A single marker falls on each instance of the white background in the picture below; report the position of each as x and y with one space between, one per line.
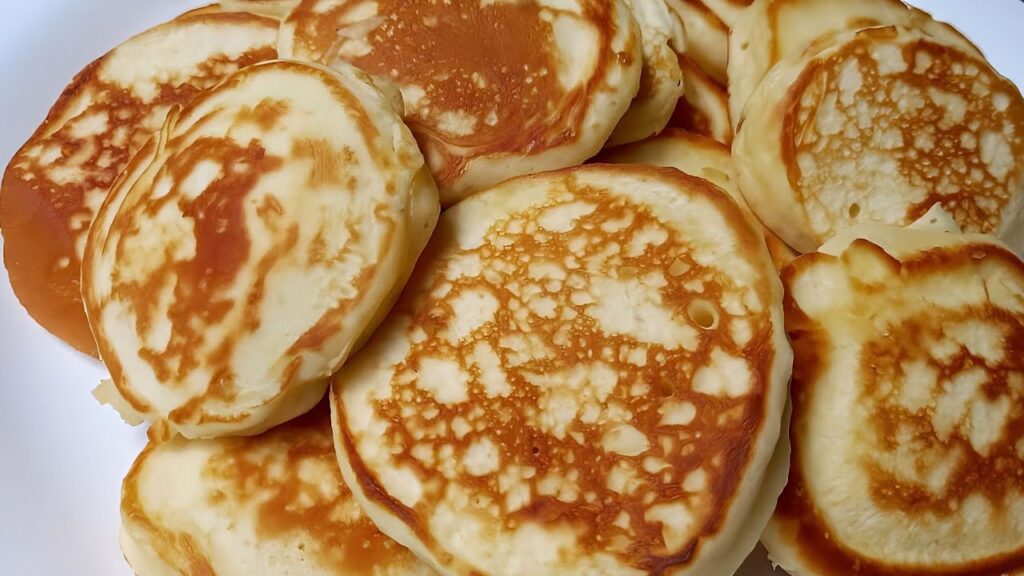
62 456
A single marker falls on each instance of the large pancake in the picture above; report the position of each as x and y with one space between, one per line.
908 408
252 245
880 125
704 107
58 179
585 375
707 37
492 89
272 505
772 30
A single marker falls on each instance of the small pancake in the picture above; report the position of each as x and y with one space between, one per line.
272 504
661 81
58 179
272 8
252 245
585 375
908 407
492 89
773 30
707 38
698 156
880 125
704 107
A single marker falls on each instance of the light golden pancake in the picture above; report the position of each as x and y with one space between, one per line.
879 125
661 81
58 179
585 375
272 504
773 30
698 156
707 38
250 247
908 407
272 8
704 107
492 89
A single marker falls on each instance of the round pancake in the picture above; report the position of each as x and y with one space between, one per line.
704 107
252 245
698 156
271 504
880 125
585 375
492 89
661 81
908 407
57 180
707 38
773 30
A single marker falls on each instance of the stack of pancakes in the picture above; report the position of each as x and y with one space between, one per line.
489 287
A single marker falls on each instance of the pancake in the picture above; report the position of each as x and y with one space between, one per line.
55 183
704 107
252 245
698 156
728 11
707 37
661 81
908 407
880 125
492 89
773 30
585 375
271 504
272 8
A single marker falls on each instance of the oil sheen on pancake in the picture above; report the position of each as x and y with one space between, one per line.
879 126
58 179
585 375
271 505
251 246
492 89
908 408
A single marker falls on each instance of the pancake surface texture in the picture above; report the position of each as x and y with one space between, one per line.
248 249
879 126
908 399
492 89
58 179
272 504
585 375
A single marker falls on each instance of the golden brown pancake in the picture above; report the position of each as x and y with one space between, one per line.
57 180
879 125
707 38
492 89
251 246
704 107
908 408
272 504
586 375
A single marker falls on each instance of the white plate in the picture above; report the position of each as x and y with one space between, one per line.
62 456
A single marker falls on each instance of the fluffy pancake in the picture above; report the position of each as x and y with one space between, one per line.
704 107
585 375
270 504
698 156
908 407
661 81
707 38
772 30
58 179
250 247
880 125
492 89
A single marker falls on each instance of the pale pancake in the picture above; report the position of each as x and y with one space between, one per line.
661 81
773 30
58 179
698 156
707 38
908 395
704 107
586 375
272 8
272 505
880 125
249 248
492 89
